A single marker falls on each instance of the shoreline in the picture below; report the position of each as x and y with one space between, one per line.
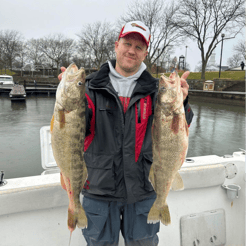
217 100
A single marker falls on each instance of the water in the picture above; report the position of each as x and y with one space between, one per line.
216 129
20 124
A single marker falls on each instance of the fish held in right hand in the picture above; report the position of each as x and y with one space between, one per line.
169 144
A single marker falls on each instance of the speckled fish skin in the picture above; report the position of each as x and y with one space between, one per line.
67 139
170 143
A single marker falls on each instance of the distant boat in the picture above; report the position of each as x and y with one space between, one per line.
17 93
6 81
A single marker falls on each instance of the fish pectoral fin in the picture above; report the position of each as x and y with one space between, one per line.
63 185
177 183
155 215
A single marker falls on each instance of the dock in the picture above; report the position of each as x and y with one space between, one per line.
32 90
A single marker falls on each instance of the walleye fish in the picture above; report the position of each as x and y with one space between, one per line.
169 143
67 139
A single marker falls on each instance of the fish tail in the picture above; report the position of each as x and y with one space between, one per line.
82 219
77 217
155 215
165 216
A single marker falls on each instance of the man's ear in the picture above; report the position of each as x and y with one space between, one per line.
116 44
146 54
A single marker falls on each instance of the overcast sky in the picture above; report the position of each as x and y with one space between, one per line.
36 19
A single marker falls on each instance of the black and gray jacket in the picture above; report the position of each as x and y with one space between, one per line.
118 145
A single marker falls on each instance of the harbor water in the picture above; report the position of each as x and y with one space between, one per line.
216 129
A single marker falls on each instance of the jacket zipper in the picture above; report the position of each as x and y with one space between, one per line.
122 124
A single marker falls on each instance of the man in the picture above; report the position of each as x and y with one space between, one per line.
118 147
242 65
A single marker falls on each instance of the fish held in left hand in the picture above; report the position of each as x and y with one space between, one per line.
67 138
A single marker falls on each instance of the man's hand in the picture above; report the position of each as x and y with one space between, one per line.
184 84
63 69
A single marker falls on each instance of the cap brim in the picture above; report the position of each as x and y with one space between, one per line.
127 33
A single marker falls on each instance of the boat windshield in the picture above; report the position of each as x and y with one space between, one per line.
6 79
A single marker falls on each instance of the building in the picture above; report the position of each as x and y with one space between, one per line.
212 66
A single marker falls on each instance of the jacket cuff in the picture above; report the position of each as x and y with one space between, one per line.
186 101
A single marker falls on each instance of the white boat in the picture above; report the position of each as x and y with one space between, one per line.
6 81
209 211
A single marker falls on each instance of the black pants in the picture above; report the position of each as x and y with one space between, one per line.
107 219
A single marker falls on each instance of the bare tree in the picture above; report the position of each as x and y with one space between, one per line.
240 49
234 61
239 54
198 67
22 55
205 20
34 53
10 43
55 47
83 56
159 17
96 42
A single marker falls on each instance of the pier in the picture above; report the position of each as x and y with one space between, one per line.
33 90
225 97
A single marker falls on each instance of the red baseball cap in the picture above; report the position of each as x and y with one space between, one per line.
136 27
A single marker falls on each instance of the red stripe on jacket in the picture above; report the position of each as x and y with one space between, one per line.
90 137
146 111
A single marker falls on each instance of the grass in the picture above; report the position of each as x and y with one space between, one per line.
8 72
230 75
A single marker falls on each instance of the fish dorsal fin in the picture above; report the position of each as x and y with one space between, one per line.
177 183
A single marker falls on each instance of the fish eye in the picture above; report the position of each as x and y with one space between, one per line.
79 83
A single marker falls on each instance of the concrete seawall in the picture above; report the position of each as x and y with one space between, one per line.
220 85
223 97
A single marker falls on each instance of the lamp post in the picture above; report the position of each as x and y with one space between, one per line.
186 56
157 62
222 35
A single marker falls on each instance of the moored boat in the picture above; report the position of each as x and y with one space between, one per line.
6 81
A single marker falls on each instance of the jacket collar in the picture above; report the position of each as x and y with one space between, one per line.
146 83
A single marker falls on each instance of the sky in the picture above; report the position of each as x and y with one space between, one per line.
36 19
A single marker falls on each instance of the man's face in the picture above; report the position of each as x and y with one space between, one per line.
130 53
